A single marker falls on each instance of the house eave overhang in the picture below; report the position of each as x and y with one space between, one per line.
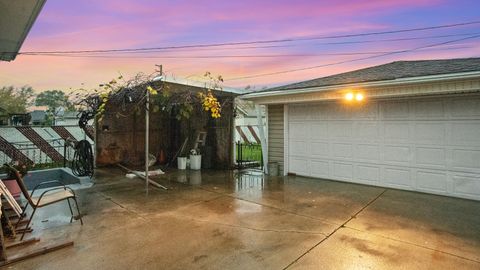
16 20
412 86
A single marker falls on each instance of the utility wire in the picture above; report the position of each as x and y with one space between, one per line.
352 60
274 46
233 56
258 41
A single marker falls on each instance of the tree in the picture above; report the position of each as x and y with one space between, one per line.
54 99
16 100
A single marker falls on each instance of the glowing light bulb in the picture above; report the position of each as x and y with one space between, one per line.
349 96
359 97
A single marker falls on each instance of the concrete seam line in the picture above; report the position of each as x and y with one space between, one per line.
247 227
276 208
120 205
336 229
413 244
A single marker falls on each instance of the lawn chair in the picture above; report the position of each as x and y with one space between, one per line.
50 196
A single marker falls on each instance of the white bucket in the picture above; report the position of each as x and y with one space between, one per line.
182 163
195 162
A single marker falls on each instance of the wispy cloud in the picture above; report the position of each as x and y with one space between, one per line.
89 24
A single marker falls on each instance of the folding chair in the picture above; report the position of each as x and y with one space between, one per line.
49 196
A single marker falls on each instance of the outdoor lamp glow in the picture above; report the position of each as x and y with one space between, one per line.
359 97
349 96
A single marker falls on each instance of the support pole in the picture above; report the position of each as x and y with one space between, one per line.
147 137
263 140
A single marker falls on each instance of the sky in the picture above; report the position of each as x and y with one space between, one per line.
118 24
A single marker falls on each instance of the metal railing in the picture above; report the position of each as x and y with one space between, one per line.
249 155
28 152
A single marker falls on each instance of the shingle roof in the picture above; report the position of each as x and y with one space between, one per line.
390 71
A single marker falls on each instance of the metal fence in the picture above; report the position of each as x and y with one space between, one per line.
249 155
31 154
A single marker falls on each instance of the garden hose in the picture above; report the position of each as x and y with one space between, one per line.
82 163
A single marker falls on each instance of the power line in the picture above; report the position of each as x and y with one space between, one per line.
258 41
279 46
232 56
352 60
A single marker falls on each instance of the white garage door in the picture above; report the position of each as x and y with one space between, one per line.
429 145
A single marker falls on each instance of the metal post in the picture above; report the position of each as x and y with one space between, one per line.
147 120
64 153
263 140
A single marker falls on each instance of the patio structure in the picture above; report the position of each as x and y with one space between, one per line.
233 220
120 136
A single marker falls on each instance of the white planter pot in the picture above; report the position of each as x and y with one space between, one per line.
182 163
195 162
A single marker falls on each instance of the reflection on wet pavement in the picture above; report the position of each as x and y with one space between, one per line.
245 220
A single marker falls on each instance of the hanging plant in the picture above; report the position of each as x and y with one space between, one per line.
210 103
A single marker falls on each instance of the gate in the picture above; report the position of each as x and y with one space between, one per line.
249 155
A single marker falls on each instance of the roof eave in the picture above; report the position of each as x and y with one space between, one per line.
409 80
11 55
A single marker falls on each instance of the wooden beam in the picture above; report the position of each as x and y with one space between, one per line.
34 253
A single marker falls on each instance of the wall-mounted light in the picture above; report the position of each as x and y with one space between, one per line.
349 96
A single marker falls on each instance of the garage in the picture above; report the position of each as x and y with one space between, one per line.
412 125
428 144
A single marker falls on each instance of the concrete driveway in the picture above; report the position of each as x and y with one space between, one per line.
227 220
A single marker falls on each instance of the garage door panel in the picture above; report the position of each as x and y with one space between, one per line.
399 154
367 174
319 131
466 133
430 109
467 185
395 110
366 131
398 177
320 168
465 108
466 159
320 112
299 166
340 129
340 112
432 181
429 156
429 145
299 148
298 112
319 149
367 152
430 133
396 132
366 111
299 131
343 171
342 150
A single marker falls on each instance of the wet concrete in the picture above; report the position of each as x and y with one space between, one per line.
231 220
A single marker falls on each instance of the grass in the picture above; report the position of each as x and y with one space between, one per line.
250 152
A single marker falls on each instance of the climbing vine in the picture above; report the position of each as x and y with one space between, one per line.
130 96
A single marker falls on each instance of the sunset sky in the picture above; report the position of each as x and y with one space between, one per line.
117 24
